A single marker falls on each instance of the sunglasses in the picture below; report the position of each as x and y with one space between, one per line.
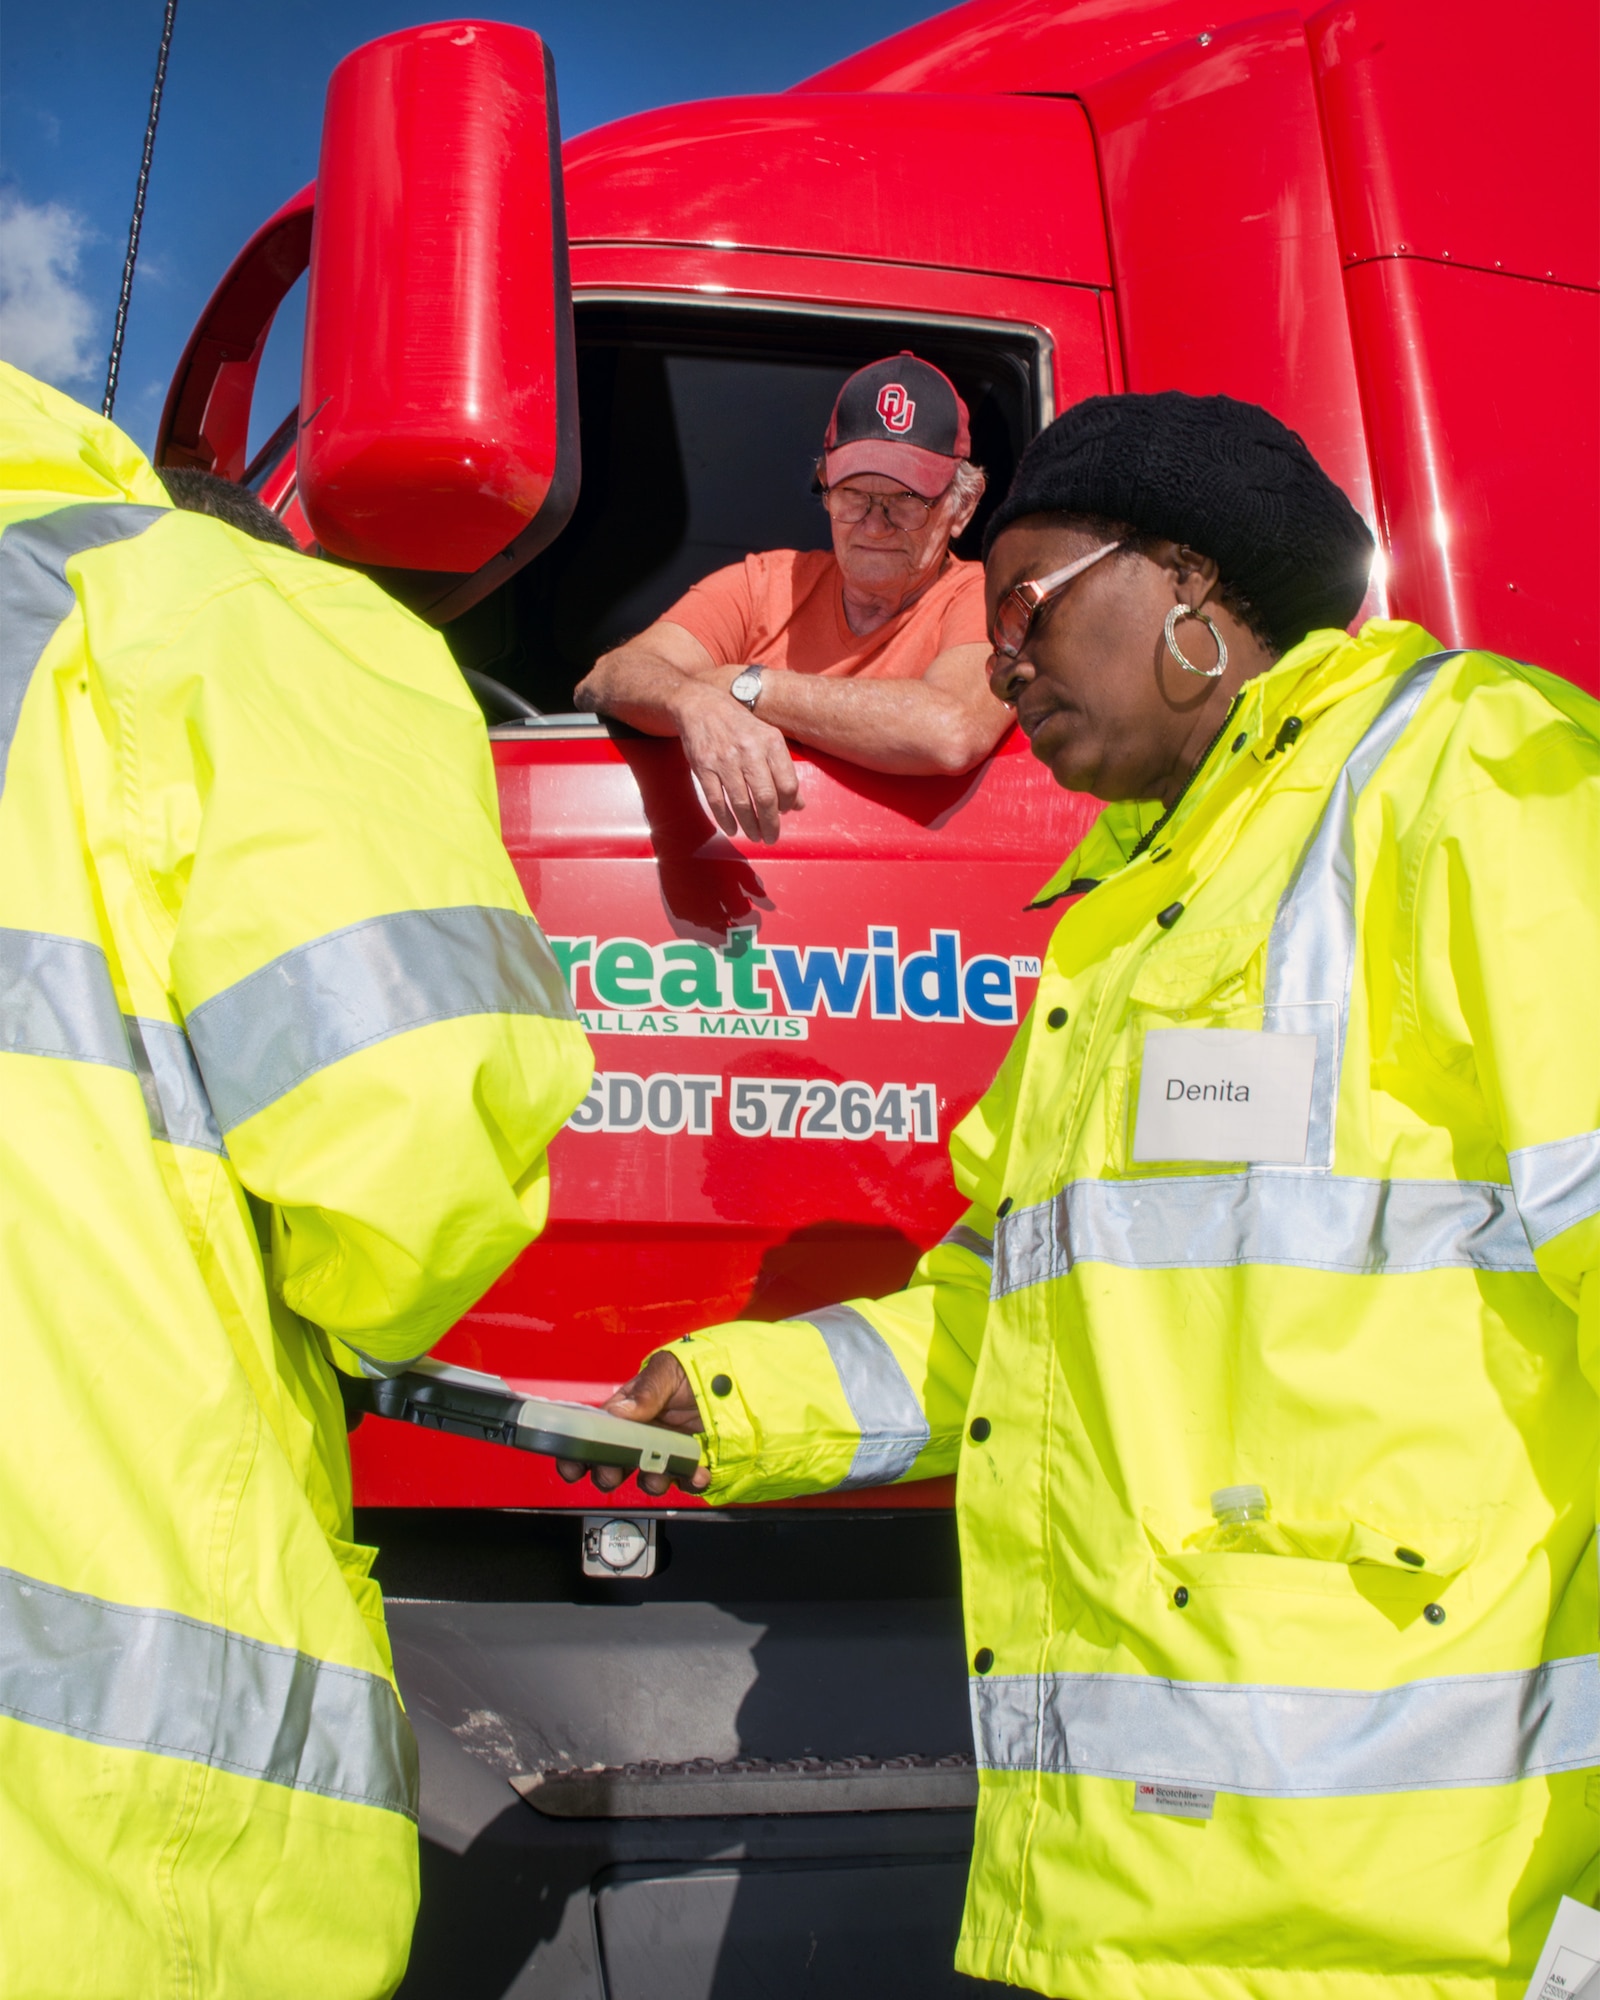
1019 607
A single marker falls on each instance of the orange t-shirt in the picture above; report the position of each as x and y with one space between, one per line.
785 608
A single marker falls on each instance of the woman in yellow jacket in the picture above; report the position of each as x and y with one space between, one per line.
1266 1355
281 1049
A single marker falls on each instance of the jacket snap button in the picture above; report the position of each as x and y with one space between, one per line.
983 1659
722 1385
1169 916
1056 1018
978 1429
1240 741
1409 1556
1005 1207
1434 1613
1180 1596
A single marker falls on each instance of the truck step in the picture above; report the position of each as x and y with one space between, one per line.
702 1788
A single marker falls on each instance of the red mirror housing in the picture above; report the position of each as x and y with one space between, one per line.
438 402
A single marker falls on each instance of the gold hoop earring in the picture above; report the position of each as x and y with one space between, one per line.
1170 629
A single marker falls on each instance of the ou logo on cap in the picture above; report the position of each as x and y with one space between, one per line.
895 407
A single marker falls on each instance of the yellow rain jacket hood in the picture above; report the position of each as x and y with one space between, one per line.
1333 1739
281 1049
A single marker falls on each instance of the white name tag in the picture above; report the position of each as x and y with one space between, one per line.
1176 1801
1224 1094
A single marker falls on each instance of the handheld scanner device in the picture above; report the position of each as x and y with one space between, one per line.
443 1398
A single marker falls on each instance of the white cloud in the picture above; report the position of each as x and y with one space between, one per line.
46 322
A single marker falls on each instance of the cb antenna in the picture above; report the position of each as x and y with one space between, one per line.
114 362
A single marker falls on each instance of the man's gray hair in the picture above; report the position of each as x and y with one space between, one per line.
970 480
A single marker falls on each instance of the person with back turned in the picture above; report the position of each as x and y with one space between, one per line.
1267 1350
281 1050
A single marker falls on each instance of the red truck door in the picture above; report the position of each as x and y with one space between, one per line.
785 1037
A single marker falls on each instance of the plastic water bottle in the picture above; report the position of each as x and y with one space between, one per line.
1241 1514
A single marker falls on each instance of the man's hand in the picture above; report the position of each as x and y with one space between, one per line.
742 763
658 1394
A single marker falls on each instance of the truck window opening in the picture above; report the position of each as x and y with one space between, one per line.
700 428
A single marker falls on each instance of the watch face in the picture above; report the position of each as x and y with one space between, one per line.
745 687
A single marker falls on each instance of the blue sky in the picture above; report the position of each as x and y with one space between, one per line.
239 133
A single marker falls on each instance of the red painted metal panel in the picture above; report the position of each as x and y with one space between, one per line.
437 397
1465 133
654 1233
1004 185
996 45
1484 401
1222 238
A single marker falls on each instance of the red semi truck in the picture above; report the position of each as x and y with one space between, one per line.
1376 217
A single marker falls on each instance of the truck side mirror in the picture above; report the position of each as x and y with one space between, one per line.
438 404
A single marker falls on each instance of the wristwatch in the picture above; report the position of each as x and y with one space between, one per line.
746 686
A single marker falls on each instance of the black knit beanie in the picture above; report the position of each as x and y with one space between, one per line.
1224 477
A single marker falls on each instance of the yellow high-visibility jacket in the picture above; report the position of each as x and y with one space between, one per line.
1350 1749
280 1052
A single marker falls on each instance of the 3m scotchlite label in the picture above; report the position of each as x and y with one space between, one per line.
323 1001
1294 1742
1321 1222
1557 1184
35 595
1311 951
883 1403
176 1687
961 1237
57 1000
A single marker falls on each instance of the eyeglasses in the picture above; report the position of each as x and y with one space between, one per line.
850 505
1019 607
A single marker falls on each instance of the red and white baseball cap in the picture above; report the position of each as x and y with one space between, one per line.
900 417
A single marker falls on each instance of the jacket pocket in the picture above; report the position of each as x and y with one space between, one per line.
1210 979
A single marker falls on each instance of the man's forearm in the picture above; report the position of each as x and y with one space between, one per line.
899 726
637 687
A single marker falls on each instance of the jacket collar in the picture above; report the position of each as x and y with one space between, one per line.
1326 668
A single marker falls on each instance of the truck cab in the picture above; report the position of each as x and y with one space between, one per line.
1047 203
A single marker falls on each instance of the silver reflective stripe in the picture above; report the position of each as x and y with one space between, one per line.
1311 951
325 1000
35 595
883 1403
180 1111
1557 1184
177 1687
57 999
1294 1742
964 1238
1322 1222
